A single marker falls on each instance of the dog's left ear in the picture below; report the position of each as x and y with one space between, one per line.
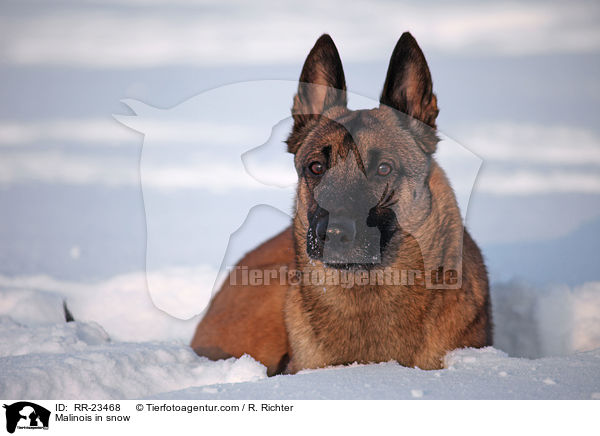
322 86
408 89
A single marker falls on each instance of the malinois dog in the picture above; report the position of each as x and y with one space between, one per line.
376 265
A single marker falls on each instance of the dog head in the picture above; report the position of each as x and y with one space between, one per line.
362 175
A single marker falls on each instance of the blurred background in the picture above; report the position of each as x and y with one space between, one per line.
517 84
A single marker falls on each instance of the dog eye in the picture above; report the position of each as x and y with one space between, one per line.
384 169
316 168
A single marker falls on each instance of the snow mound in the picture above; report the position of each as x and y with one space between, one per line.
122 305
17 339
485 373
32 307
531 321
117 371
44 357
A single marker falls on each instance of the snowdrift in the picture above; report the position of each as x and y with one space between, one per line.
121 347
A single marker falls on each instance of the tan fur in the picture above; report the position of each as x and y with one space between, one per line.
249 319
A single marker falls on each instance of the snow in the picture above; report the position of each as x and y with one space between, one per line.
532 321
18 339
416 393
78 360
121 305
32 307
117 371
120 346
470 374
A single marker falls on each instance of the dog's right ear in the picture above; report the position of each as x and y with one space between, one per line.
408 89
322 86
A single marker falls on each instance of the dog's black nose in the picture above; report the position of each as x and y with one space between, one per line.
340 230
321 227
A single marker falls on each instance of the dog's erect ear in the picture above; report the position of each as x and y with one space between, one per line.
323 67
408 87
322 85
